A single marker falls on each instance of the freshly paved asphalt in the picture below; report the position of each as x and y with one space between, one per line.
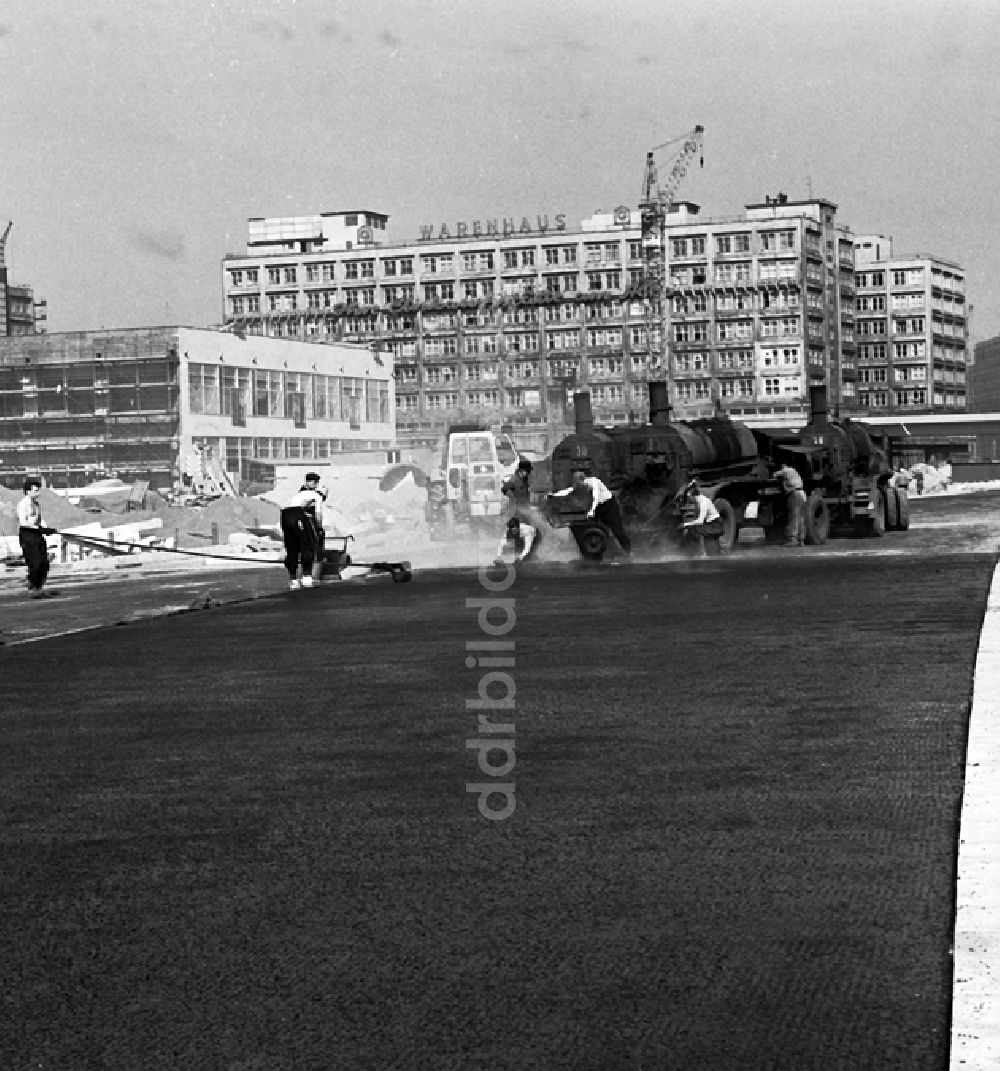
242 837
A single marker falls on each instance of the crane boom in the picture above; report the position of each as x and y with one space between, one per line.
3 240
654 207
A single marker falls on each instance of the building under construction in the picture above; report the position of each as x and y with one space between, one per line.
169 404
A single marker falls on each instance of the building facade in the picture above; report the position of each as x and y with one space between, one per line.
152 403
501 320
912 331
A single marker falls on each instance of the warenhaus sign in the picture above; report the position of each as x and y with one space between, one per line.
492 228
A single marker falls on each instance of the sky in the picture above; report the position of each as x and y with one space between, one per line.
137 139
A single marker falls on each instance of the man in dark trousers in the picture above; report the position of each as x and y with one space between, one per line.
302 531
31 535
603 506
704 521
790 481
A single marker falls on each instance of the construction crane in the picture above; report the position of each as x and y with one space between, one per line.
654 207
3 241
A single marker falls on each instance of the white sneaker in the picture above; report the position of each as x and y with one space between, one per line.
307 581
294 586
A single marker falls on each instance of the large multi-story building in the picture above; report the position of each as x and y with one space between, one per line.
912 331
499 320
153 403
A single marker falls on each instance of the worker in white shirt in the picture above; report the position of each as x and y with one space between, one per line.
31 535
603 506
703 518
523 537
302 531
790 481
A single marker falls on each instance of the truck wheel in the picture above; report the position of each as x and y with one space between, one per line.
592 541
817 520
874 524
902 509
730 533
890 508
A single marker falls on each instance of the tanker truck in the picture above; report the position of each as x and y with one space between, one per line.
646 466
846 475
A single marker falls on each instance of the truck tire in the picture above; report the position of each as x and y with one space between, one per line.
730 531
902 509
890 508
817 520
874 525
592 539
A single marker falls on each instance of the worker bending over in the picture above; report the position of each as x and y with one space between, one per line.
523 537
705 521
302 531
603 506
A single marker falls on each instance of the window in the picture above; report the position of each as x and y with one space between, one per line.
203 385
269 394
442 401
440 347
695 332
437 263
562 340
678 247
604 336
691 362
290 276
777 241
734 330
732 243
236 394
520 343
352 394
